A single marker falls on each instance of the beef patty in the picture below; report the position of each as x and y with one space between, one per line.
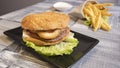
63 33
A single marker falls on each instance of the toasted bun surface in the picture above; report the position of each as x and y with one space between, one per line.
45 21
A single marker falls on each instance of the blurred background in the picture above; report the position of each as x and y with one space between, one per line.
7 6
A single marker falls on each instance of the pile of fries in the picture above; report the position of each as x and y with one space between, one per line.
95 12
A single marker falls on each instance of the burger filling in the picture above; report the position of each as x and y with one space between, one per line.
49 35
63 48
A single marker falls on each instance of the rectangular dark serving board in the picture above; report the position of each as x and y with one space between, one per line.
85 45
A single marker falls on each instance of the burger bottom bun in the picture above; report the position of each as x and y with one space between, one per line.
41 42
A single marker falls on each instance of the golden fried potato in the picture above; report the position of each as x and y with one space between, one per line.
105 26
95 13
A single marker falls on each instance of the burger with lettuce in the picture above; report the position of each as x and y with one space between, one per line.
48 33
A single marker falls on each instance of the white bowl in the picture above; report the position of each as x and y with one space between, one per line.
62 6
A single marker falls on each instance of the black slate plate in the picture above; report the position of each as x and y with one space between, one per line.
85 45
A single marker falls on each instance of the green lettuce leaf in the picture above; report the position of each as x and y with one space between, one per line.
87 22
65 47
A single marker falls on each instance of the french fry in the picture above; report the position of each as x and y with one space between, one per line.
95 9
91 11
93 22
104 10
105 26
105 13
99 6
89 7
95 14
97 24
107 4
88 12
103 4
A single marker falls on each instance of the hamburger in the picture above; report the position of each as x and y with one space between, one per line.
48 33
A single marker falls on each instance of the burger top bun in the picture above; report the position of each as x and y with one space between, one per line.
45 21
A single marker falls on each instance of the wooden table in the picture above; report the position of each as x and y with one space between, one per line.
105 55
